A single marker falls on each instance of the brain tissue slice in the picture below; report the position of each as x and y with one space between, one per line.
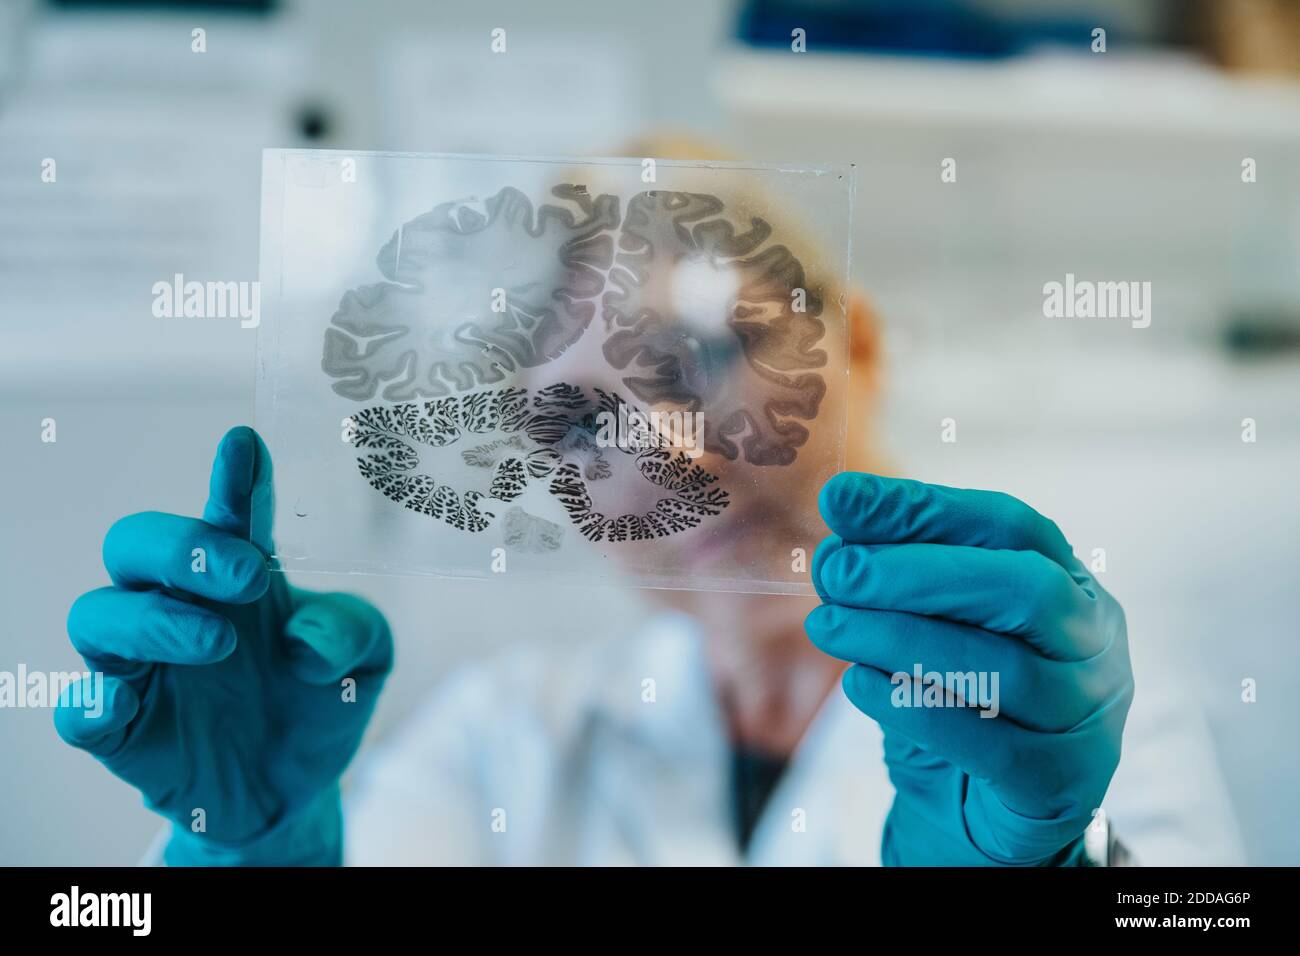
697 309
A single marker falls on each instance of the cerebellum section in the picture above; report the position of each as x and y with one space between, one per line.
549 439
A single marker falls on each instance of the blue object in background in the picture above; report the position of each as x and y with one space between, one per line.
920 27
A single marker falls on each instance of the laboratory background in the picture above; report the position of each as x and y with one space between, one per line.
1125 163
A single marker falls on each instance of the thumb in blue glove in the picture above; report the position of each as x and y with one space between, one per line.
231 701
979 588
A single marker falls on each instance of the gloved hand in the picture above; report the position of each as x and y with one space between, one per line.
226 693
962 581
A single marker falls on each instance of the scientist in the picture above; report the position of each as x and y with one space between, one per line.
985 675
234 702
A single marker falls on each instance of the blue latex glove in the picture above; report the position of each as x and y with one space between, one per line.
969 581
224 689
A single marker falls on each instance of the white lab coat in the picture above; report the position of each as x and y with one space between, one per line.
537 759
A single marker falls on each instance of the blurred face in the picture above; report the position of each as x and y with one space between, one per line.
724 358
773 516
744 342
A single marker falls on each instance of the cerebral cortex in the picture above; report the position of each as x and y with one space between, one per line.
430 328
697 307
686 239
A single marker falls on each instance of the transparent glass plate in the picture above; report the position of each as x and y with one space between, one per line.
615 369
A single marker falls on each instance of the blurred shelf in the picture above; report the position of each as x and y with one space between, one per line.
1158 94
